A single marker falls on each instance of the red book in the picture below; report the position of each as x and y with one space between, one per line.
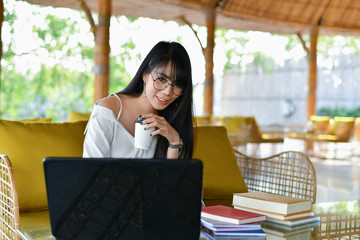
231 215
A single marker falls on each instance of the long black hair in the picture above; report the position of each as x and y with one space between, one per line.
180 112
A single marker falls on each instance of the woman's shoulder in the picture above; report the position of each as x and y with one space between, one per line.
112 102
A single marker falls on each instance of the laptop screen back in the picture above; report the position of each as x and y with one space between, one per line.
93 198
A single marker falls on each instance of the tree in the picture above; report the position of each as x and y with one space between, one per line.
60 78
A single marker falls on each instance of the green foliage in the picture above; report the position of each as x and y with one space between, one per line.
340 112
263 62
326 44
52 92
119 77
56 34
293 41
349 207
56 88
9 17
234 42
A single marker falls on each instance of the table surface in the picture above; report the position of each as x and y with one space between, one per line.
339 220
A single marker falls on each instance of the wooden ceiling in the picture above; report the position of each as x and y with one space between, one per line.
335 17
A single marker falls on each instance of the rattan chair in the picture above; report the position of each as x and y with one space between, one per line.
10 215
288 173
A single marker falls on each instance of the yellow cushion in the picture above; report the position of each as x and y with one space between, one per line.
203 120
34 219
235 124
342 127
77 116
36 120
316 118
222 176
320 124
27 144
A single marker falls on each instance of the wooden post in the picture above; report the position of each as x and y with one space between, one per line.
312 77
312 63
209 60
102 50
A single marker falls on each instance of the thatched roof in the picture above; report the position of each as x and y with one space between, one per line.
336 17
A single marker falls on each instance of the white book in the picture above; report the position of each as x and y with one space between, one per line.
271 202
280 216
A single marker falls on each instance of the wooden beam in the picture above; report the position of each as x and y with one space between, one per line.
87 11
312 77
209 60
102 50
306 49
183 19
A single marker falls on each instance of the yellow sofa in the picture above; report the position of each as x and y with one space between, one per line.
24 145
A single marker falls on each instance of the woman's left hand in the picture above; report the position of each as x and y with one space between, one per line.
162 127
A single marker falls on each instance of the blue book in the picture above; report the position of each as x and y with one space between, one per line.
247 233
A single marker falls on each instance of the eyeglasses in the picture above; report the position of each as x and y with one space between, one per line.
160 83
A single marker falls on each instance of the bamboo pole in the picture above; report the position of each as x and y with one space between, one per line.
312 75
102 50
209 60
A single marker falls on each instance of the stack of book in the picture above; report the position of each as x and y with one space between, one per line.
221 221
281 232
284 210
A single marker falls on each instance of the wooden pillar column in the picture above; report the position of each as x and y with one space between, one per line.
102 50
312 77
209 61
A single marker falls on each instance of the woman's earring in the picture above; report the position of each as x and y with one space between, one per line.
144 95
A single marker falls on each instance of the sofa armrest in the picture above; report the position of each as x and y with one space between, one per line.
288 173
9 209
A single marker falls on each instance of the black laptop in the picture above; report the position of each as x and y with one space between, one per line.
106 198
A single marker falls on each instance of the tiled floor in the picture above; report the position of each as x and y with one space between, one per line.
338 177
337 180
337 169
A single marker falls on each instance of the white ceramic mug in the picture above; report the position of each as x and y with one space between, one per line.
143 137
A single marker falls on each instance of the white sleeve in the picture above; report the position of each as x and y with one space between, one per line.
98 138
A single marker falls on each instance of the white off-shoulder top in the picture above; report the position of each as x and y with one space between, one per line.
105 136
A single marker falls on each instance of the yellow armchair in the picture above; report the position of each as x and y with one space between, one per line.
222 176
23 199
238 129
203 120
320 124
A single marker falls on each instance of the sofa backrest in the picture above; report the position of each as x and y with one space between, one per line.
222 176
27 144
78 116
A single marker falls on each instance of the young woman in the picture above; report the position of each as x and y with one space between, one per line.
161 93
